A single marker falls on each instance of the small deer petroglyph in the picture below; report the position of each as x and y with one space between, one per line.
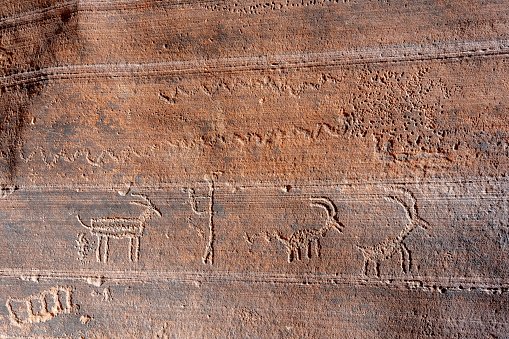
41 307
387 248
114 227
208 257
303 240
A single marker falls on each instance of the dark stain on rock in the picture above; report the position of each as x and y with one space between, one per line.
66 15
13 118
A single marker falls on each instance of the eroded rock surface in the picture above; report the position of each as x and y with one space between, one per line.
248 169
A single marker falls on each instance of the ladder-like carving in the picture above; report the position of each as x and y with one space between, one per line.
40 307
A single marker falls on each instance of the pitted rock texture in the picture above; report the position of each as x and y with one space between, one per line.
251 169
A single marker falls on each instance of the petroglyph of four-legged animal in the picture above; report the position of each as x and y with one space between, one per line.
381 251
299 243
303 240
117 227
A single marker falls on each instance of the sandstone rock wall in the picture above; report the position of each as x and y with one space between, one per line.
250 169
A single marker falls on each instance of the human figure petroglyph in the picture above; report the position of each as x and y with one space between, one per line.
387 248
304 240
208 257
116 227
41 307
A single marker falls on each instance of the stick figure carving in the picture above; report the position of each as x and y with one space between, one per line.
386 249
208 257
115 227
302 241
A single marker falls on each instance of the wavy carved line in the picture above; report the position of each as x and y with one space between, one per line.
71 156
127 154
272 137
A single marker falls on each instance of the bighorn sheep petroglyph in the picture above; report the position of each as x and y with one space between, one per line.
387 248
303 240
114 227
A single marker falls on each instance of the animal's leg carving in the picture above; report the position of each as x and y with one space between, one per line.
134 248
106 248
30 309
406 260
291 254
377 268
58 304
44 306
14 316
317 247
375 264
131 248
308 248
366 266
299 252
98 249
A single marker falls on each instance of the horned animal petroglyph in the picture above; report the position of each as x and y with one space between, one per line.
387 248
114 227
303 240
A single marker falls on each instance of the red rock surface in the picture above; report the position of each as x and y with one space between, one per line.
247 169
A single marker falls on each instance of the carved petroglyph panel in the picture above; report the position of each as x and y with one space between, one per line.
362 231
250 169
198 307
433 242
264 125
